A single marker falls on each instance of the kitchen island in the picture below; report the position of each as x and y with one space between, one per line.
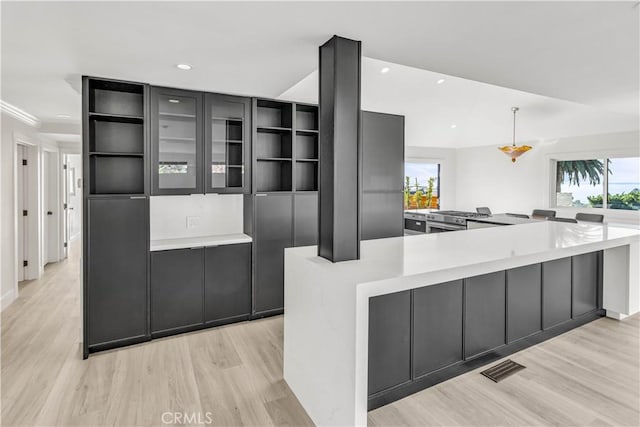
359 334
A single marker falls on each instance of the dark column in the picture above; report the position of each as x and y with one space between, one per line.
340 148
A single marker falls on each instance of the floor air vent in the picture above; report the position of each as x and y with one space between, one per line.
502 370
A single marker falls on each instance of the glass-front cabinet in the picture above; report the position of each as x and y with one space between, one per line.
227 130
176 140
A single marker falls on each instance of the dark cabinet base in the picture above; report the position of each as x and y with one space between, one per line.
458 326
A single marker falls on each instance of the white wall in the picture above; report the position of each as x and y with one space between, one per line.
216 214
446 157
13 130
486 177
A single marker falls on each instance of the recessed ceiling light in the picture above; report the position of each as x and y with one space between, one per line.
184 66
385 70
454 126
440 81
174 101
63 116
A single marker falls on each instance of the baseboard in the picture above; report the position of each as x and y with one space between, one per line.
7 299
616 315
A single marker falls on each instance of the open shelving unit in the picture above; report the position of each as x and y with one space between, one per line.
115 141
273 146
306 147
285 146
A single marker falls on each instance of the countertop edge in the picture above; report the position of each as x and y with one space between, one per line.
196 242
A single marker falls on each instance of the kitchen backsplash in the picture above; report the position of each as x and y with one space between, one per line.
174 217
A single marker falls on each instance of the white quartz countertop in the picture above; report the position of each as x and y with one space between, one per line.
199 241
433 258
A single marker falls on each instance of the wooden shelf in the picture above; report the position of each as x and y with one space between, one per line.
228 119
177 115
121 154
228 141
273 129
275 159
116 117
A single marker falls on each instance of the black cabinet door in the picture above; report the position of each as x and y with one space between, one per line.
177 289
176 141
484 313
389 340
437 327
227 282
382 152
524 301
382 215
585 283
556 292
305 222
116 288
227 131
272 234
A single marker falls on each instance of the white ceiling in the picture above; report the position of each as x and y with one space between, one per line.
480 112
582 52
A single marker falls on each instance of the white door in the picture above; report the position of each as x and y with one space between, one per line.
46 224
65 203
50 205
22 187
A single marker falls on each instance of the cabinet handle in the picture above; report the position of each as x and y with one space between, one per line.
260 194
137 197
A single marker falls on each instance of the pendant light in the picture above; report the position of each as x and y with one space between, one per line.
514 151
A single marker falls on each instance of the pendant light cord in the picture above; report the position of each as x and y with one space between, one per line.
514 109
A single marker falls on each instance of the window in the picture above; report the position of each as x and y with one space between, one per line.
422 185
172 167
583 183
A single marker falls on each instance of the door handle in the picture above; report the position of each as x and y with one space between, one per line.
49 213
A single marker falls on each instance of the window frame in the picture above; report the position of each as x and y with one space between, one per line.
552 162
426 161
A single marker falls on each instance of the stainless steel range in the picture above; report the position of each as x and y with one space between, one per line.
437 221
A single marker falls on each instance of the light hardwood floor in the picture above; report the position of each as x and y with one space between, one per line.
589 376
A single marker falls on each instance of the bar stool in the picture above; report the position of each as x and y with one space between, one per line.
559 219
541 213
484 211
580 216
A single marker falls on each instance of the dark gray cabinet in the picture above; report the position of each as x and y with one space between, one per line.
389 340
305 219
556 292
585 283
227 283
382 152
382 215
381 210
177 278
524 301
437 327
176 141
272 234
227 144
484 313
116 270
